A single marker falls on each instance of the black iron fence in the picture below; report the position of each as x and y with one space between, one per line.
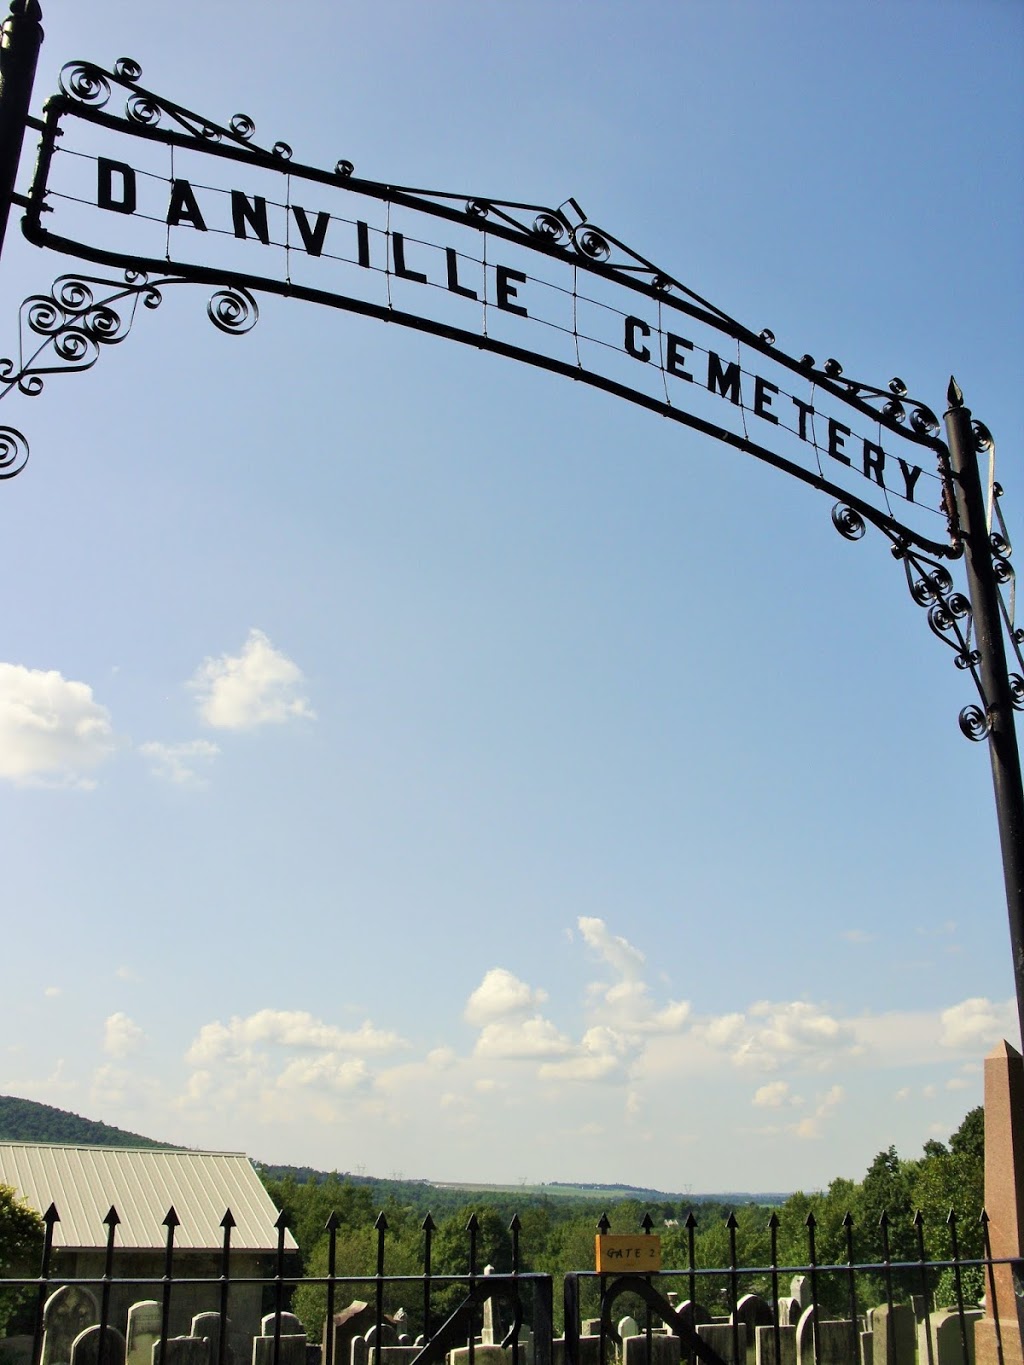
174 1305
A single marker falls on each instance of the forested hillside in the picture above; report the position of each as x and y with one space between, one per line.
27 1121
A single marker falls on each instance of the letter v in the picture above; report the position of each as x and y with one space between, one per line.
312 237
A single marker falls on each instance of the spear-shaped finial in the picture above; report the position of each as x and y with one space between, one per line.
953 394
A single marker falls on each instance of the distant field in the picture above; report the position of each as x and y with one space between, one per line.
613 1193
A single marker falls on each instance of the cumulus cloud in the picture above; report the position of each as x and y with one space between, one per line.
627 1003
52 730
259 686
179 763
328 1070
619 954
500 994
121 1035
773 1034
521 1039
975 1024
771 1096
285 1028
812 1127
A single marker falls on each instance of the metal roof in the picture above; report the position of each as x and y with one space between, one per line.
142 1184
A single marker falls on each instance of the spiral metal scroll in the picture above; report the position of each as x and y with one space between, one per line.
949 614
67 329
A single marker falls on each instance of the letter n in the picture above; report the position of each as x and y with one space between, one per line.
105 198
253 212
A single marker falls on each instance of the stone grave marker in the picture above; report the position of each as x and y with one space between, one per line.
143 1331
208 1325
892 1338
764 1345
182 1351
945 1326
628 1327
86 1350
719 1336
291 1349
835 1341
68 1311
664 1350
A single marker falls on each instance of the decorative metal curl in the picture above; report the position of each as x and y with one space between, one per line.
282 151
242 126
143 110
233 310
591 243
344 169
848 523
975 723
13 452
549 227
127 69
1017 691
86 83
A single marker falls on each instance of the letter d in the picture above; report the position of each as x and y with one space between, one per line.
105 172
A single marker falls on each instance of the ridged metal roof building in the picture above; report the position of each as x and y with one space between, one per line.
142 1184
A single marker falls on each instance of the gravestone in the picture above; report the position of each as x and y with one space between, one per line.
789 1311
182 1351
208 1325
946 1344
143 1332
754 1312
664 1350
482 1355
892 1337
867 1348
291 1326
68 1311
800 1289
835 1345
589 1351
291 1348
719 1336
693 1314
349 1323
628 1327
764 1346
93 1346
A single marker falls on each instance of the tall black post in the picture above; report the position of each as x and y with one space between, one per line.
20 40
995 680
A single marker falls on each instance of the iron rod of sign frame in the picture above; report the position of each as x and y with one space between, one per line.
995 679
20 40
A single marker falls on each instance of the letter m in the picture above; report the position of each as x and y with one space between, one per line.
727 380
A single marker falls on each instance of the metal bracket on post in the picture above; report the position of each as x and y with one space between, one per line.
20 40
997 691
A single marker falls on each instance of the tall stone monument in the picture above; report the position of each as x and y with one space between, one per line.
1004 1202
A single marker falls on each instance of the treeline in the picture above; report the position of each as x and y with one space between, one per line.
27 1121
876 1216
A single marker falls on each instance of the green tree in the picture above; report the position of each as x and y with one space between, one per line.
21 1241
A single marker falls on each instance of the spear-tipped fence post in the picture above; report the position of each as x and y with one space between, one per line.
227 1223
472 1227
958 1284
381 1226
604 1226
773 1233
851 1285
691 1253
20 41
171 1222
429 1228
646 1224
732 1223
890 1325
811 1223
112 1219
514 1227
925 1292
991 1299
331 1228
281 1223
50 1218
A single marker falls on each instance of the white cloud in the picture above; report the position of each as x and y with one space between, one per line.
179 762
51 992
521 1038
620 955
259 686
812 1127
121 1035
771 1096
52 731
329 1070
286 1028
976 1023
500 994
857 936
626 1003
774 1034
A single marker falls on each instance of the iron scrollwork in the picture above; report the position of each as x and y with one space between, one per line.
67 329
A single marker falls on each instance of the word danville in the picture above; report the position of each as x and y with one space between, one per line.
116 191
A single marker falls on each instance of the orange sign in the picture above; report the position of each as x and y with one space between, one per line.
622 1253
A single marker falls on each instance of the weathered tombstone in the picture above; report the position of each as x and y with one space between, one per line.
482 1355
492 1329
693 1314
182 1351
867 1348
720 1337
789 1311
590 1327
291 1348
946 1344
68 1311
800 1289
664 1350
387 1337
628 1327
348 1324
754 1312
291 1326
892 1336
835 1341
208 1325
143 1331
764 1346
94 1346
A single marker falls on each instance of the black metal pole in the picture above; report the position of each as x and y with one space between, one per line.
995 679
20 40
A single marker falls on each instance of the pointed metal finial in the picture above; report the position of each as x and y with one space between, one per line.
954 395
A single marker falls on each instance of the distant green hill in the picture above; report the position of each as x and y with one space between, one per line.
27 1121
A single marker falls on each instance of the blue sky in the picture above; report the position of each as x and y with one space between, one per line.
415 762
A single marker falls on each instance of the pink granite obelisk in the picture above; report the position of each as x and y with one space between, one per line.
1004 1203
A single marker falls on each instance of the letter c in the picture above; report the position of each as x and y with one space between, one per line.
634 326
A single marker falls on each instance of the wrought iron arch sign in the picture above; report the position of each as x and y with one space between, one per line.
165 196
